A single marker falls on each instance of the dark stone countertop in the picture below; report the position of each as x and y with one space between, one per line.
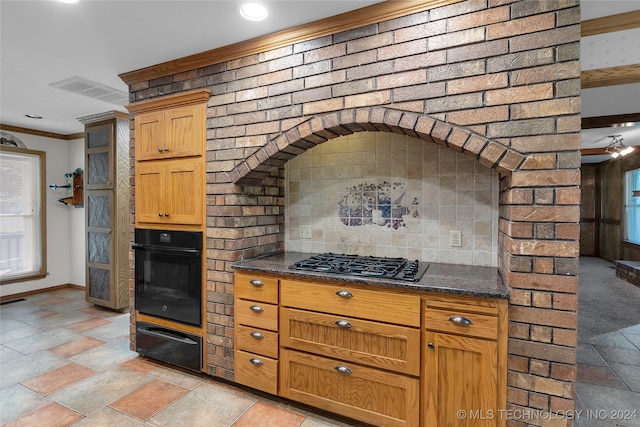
440 278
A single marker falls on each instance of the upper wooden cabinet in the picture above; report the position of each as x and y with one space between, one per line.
170 126
177 132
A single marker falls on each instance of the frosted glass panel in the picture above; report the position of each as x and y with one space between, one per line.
98 138
99 248
99 211
99 168
99 284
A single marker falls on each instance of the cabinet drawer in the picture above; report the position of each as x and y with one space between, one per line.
256 287
256 371
257 341
456 321
390 347
380 306
366 394
257 314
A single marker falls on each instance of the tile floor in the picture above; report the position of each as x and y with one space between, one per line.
66 362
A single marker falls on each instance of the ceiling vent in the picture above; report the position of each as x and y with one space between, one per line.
94 90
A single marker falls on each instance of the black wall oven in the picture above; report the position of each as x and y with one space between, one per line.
168 274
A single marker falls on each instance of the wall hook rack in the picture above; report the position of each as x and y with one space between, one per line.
75 189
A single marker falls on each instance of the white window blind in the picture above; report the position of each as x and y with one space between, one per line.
632 206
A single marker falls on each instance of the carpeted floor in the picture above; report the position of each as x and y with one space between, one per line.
604 300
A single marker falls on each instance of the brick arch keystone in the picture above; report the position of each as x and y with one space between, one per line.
321 128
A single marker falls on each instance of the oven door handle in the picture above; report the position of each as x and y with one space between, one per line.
166 250
173 336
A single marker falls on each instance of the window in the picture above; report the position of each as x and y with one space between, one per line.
632 206
22 214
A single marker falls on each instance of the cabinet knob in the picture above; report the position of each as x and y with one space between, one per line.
166 214
343 369
460 320
257 335
343 324
256 309
256 362
166 149
257 283
430 345
160 214
159 149
344 294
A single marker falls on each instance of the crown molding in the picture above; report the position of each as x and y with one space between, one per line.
346 21
41 133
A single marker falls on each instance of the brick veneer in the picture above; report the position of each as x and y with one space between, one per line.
497 80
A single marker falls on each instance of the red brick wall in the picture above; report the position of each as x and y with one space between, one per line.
495 79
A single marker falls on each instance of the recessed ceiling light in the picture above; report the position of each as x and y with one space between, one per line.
33 116
69 1
253 11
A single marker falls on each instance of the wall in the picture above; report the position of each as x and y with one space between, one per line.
384 194
65 224
497 81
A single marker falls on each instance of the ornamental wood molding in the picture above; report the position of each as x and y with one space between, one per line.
335 24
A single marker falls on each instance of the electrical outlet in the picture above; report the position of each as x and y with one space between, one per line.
305 231
455 238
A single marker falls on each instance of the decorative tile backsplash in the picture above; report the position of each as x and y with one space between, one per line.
383 194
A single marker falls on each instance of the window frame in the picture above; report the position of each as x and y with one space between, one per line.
627 197
42 272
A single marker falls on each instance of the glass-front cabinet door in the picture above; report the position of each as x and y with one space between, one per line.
99 161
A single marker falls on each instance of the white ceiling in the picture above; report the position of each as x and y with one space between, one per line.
44 41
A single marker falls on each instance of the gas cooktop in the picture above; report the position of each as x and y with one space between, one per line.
367 266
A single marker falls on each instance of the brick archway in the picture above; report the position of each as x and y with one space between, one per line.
321 128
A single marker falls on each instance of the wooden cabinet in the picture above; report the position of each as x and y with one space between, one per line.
352 351
170 192
383 356
170 146
107 209
172 133
464 362
256 332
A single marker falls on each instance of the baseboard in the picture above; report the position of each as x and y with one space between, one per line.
39 291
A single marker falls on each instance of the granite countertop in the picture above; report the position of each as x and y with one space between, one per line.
441 278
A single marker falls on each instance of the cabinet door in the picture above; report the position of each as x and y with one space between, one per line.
185 198
185 127
149 137
150 191
460 374
99 157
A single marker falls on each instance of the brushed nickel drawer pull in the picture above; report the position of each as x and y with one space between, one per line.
460 320
344 294
257 283
343 369
256 362
343 324
257 335
256 309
